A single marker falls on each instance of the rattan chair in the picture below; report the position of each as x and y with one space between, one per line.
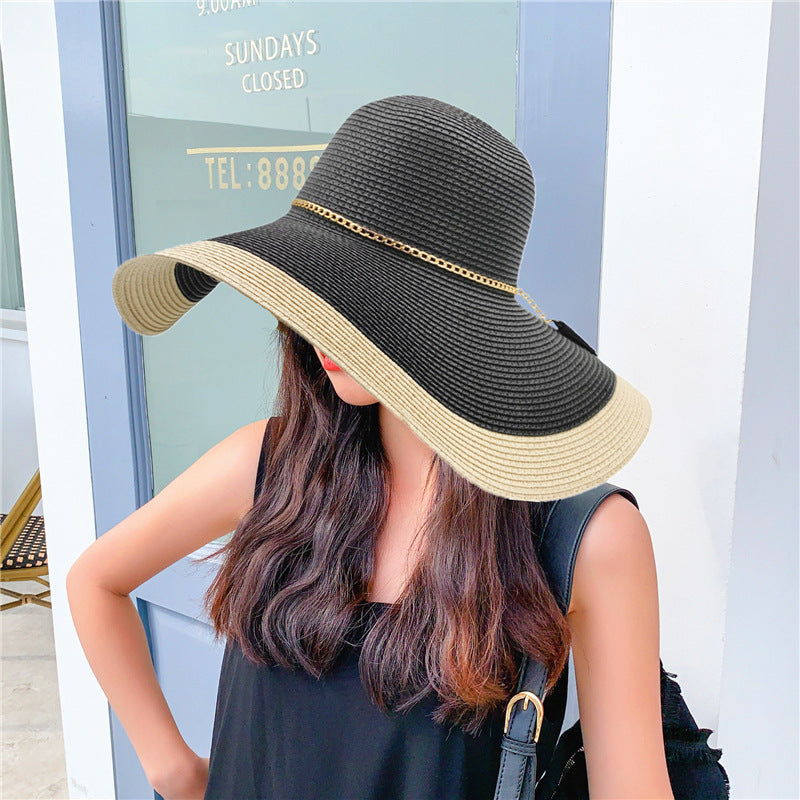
23 551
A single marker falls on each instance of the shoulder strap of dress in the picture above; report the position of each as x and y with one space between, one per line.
262 460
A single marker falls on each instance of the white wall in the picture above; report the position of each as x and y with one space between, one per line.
759 697
36 132
686 104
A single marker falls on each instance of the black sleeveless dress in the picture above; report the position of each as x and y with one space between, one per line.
284 735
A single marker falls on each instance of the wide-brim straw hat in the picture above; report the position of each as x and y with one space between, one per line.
399 259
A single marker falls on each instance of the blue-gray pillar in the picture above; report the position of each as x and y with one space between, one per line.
97 160
562 116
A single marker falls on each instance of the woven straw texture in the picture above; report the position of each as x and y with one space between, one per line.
513 405
518 467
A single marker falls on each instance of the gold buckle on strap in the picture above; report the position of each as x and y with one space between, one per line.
526 697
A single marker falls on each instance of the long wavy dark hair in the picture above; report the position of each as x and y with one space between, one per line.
300 561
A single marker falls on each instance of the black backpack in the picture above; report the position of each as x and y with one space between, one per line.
538 763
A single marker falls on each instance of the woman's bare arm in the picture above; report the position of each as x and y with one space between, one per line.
613 617
204 502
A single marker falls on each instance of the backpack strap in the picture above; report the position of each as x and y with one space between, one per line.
528 719
563 531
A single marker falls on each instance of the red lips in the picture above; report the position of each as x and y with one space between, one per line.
329 365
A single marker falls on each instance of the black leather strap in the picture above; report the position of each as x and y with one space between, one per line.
564 527
562 536
516 777
555 706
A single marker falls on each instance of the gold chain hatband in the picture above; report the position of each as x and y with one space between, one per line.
414 251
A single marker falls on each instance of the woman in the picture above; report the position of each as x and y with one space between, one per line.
382 579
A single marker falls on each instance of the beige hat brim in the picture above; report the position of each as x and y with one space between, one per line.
533 468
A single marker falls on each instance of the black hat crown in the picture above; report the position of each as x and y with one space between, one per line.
430 175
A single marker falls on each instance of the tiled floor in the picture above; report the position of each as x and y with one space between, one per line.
32 752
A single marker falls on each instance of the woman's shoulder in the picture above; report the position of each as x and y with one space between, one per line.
258 433
615 550
201 504
614 624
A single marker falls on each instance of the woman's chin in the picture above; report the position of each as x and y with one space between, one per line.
349 391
